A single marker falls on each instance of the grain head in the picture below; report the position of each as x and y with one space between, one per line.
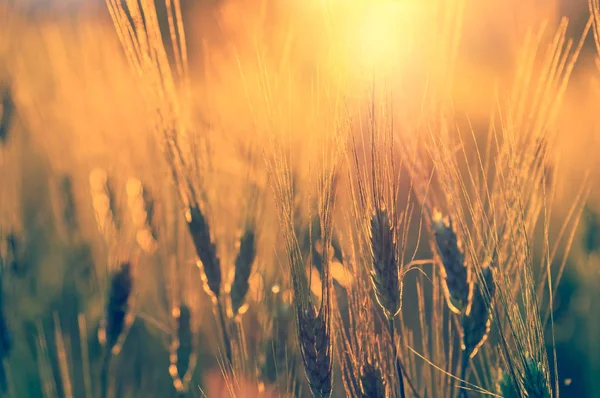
243 268
372 382
315 341
476 323
385 273
182 355
206 251
454 270
118 305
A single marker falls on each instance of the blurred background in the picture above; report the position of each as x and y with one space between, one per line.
70 104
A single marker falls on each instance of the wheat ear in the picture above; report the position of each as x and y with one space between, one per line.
476 323
243 268
385 273
182 355
385 276
117 320
455 273
372 382
210 267
315 347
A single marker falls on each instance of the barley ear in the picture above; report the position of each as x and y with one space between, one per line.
455 273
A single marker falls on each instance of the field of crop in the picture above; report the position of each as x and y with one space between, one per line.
299 198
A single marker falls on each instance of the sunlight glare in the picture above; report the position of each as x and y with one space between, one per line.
385 36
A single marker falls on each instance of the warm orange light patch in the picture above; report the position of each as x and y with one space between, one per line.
376 38
382 36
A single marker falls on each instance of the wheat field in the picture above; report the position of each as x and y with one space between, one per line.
296 198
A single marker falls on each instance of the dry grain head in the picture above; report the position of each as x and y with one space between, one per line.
372 382
531 381
243 268
455 273
117 312
206 251
183 349
534 379
316 349
476 323
385 273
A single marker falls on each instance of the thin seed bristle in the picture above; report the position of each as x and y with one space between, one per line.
206 250
455 273
385 272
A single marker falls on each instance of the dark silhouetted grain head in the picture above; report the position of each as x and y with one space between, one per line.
385 273
205 249
372 382
117 307
476 323
455 273
316 349
243 267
